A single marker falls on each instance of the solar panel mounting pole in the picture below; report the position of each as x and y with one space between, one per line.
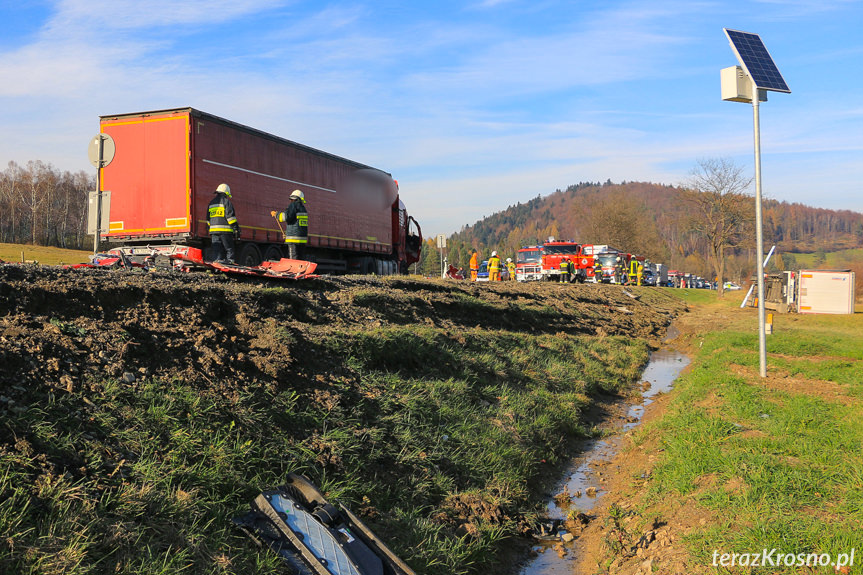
759 237
749 82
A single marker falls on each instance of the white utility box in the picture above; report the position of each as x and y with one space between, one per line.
737 85
826 291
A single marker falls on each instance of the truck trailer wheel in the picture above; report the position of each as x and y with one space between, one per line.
272 254
250 256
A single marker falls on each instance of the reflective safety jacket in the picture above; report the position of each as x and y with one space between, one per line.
474 262
220 215
493 264
296 220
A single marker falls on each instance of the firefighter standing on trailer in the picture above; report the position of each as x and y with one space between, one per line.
474 265
296 220
223 226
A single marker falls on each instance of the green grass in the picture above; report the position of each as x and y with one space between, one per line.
43 254
144 478
832 259
778 466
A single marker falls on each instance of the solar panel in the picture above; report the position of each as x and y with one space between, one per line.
756 60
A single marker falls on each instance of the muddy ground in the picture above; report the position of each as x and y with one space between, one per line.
62 329
60 326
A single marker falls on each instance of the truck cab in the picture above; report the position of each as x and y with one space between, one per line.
610 267
528 264
555 251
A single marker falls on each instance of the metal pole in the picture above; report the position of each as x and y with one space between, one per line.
98 195
759 237
441 261
749 293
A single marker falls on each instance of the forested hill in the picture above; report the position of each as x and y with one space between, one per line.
646 218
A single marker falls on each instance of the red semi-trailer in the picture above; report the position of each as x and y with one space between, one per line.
168 163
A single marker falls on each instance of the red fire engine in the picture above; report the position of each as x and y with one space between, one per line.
553 252
528 264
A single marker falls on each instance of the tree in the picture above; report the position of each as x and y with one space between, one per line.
35 193
10 182
622 221
724 211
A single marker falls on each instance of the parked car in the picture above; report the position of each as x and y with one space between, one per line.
482 274
731 286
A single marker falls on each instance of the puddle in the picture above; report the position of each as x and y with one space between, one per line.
586 474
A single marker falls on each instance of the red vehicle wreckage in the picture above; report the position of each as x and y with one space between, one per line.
189 259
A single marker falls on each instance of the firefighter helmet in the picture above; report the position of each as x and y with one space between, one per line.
224 189
493 254
297 194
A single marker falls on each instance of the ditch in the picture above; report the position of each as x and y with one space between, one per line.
582 482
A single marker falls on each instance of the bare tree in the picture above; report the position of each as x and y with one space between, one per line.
82 183
34 193
622 221
10 182
724 209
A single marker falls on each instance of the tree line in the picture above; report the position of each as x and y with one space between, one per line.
703 227
42 205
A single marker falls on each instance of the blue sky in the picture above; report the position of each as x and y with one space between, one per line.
472 106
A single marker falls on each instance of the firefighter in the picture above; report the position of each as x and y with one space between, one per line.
510 266
620 272
597 271
564 270
296 220
494 268
474 265
222 224
639 274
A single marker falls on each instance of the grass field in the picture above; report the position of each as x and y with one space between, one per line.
42 254
838 259
773 463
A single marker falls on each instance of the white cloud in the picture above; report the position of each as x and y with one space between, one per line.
74 15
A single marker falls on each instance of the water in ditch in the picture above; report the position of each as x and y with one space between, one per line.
584 480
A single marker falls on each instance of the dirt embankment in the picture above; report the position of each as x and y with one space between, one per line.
59 327
64 333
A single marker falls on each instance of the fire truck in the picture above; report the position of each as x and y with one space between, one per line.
553 252
611 266
587 261
528 264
